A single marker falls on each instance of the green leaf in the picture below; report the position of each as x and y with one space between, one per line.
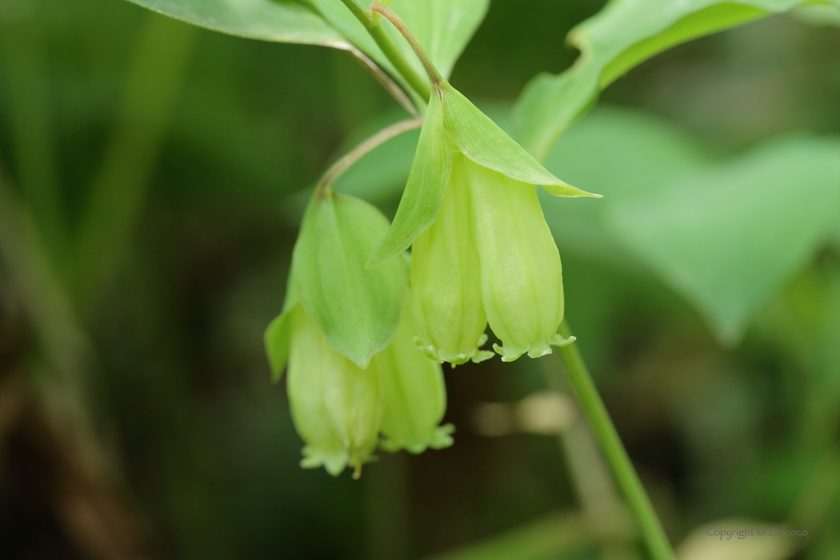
618 38
424 190
356 308
283 21
277 345
818 15
729 238
618 153
487 145
277 333
442 27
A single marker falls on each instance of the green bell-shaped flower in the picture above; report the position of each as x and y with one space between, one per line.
336 406
414 392
337 316
497 218
521 275
446 279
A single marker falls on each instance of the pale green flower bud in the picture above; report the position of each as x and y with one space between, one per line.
336 405
446 279
521 275
414 393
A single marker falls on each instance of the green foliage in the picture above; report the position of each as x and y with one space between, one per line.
453 124
357 309
284 21
173 244
276 337
729 237
442 27
424 190
480 140
616 152
624 34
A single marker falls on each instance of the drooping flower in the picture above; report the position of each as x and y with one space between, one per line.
337 316
336 406
446 279
413 392
470 199
352 375
521 275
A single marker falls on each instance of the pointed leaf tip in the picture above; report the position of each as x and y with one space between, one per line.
277 345
423 191
357 309
483 142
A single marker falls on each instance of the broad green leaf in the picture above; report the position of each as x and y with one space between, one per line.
618 153
442 27
618 38
284 21
729 238
487 145
424 190
277 334
356 308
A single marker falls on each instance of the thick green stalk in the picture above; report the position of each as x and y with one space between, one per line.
415 80
614 452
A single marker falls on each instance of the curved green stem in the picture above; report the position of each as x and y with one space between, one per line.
614 452
414 79
346 161
431 71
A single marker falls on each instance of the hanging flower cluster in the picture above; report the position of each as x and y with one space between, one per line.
482 251
355 379
364 346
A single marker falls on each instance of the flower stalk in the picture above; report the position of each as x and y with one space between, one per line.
415 80
434 76
614 452
349 159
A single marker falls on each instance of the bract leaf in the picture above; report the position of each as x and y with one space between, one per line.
276 336
424 191
277 345
357 309
486 144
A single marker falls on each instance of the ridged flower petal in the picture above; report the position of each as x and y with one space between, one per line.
446 279
336 406
414 393
521 274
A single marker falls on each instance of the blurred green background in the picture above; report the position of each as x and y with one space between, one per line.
152 177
